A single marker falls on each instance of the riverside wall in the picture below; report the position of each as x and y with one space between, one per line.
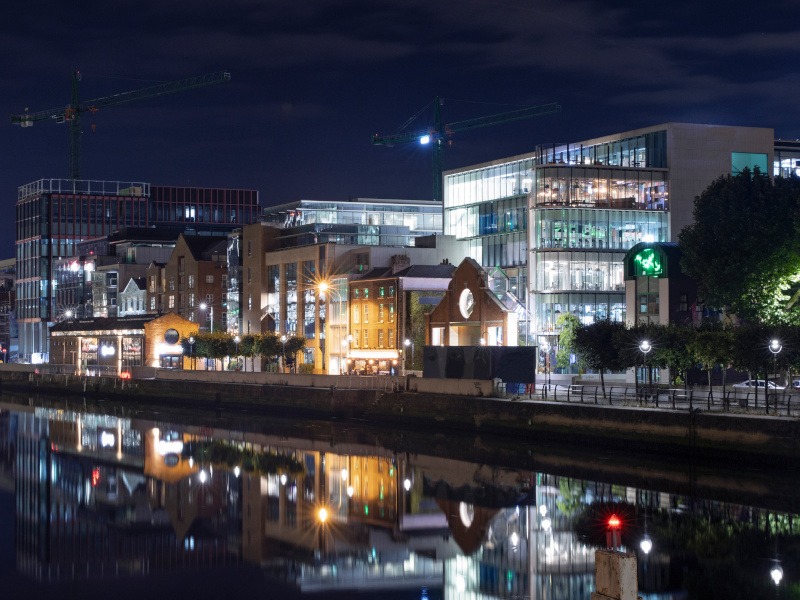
420 404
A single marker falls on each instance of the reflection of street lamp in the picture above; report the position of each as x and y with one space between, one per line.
775 347
776 574
645 347
407 342
203 306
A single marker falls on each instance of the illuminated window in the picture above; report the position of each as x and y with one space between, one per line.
366 313
366 338
171 301
209 279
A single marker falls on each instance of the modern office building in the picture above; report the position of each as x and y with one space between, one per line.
53 216
560 219
357 222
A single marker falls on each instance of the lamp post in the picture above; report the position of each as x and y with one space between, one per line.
775 347
203 306
191 350
645 347
236 340
546 349
283 343
407 342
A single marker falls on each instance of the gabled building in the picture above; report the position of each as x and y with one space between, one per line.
193 283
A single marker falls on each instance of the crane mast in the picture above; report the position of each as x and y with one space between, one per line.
439 132
72 113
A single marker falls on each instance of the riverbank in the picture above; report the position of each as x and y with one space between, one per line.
409 404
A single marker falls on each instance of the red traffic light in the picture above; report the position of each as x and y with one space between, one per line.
614 522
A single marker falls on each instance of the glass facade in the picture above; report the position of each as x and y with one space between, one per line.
561 220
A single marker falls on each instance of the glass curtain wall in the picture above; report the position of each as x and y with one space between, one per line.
273 317
291 298
602 229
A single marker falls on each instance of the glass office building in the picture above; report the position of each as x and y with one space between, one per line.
358 222
559 220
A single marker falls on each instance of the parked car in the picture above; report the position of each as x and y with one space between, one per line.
758 383
796 384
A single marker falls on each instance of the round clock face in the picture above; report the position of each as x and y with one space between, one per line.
171 336
466 303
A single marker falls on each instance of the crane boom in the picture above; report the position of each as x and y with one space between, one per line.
439 131
72 112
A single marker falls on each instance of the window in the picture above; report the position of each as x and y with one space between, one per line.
391 291
152 284
391 338
366 292
366 313
249 247
356 314
171 301
380 338
224 280
171 284
191 282
209 299
366 338
380 312
209 279
249 275
380 291
191 300
391 313
355 293
250 302
152 302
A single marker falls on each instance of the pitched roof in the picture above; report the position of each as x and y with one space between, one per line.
104 323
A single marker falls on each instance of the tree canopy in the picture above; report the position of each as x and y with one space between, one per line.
743 248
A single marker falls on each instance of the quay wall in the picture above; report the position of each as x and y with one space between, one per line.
424 405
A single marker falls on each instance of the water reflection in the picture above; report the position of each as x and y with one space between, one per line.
100 496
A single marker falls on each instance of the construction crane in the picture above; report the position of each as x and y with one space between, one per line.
437 134
71 113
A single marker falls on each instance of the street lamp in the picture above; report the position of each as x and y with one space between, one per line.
236 340
407 342
546 349
191 349
203 306
775 347
645 347
776 574
283 343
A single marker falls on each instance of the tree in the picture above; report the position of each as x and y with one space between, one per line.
713 347
567 323
743 249
673 351
594 344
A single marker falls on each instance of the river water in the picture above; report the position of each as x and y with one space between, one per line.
98 500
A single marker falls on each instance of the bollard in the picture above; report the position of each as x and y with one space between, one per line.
615 576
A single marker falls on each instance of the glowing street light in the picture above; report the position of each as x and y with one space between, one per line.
775 347
203 306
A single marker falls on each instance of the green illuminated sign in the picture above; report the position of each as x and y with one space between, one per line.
648 263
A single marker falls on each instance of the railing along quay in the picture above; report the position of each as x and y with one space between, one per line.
785 403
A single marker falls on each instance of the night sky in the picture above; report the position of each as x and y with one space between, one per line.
312 81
